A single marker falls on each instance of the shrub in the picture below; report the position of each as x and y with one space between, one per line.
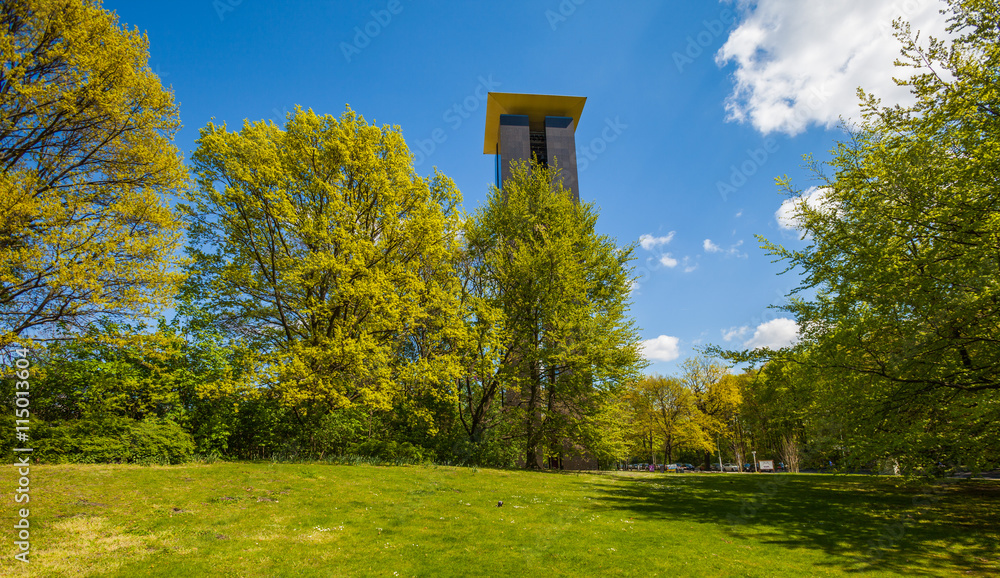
112 440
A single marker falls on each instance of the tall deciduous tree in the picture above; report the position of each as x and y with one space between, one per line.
319 245
559 293
716 397
85 162
675 415
905 253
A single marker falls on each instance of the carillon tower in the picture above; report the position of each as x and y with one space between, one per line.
520 126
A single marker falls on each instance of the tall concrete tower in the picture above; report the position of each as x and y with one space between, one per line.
521 125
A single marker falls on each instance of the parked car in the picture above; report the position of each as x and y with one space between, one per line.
730 468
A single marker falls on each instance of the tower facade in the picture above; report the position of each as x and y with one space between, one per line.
522 126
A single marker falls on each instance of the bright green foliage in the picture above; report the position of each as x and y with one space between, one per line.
113 440
905 255
557 292
318 246
112 370
716 396
85 161
605 433
119 392
664 416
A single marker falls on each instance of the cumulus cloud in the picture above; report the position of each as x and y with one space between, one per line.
787 214
689 266
649 242
801 63
710 247
735 333
776 333
667 261
662 348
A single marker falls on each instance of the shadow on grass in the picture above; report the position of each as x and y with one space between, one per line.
865 523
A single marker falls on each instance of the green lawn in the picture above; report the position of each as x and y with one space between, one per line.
243 519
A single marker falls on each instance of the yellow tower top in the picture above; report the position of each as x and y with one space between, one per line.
535 106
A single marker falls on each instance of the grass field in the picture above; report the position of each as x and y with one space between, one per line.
245 519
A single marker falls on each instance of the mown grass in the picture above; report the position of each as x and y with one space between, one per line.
262 519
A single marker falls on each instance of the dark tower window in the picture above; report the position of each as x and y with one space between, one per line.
539 148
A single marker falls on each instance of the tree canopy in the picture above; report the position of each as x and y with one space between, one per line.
319 246
904 255
558 292
86 166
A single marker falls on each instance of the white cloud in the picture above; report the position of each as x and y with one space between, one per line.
787 214
735 333
739 213
667 261
662 348
649 242
800 63
776 333
688 266
733 249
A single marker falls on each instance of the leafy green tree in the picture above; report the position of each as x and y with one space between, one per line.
674 415
320 247
642 429
904 256
716 396
86 160
114 393
559 293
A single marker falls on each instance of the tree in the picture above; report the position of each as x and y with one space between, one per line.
319 246
904 255
85 162
716 396
559 293
673 412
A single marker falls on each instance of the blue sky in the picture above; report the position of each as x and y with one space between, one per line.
694 107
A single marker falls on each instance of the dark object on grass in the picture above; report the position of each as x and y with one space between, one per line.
500 503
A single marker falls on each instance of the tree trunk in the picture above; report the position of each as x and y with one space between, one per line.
533 425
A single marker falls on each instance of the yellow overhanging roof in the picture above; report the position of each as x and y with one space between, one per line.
535 106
